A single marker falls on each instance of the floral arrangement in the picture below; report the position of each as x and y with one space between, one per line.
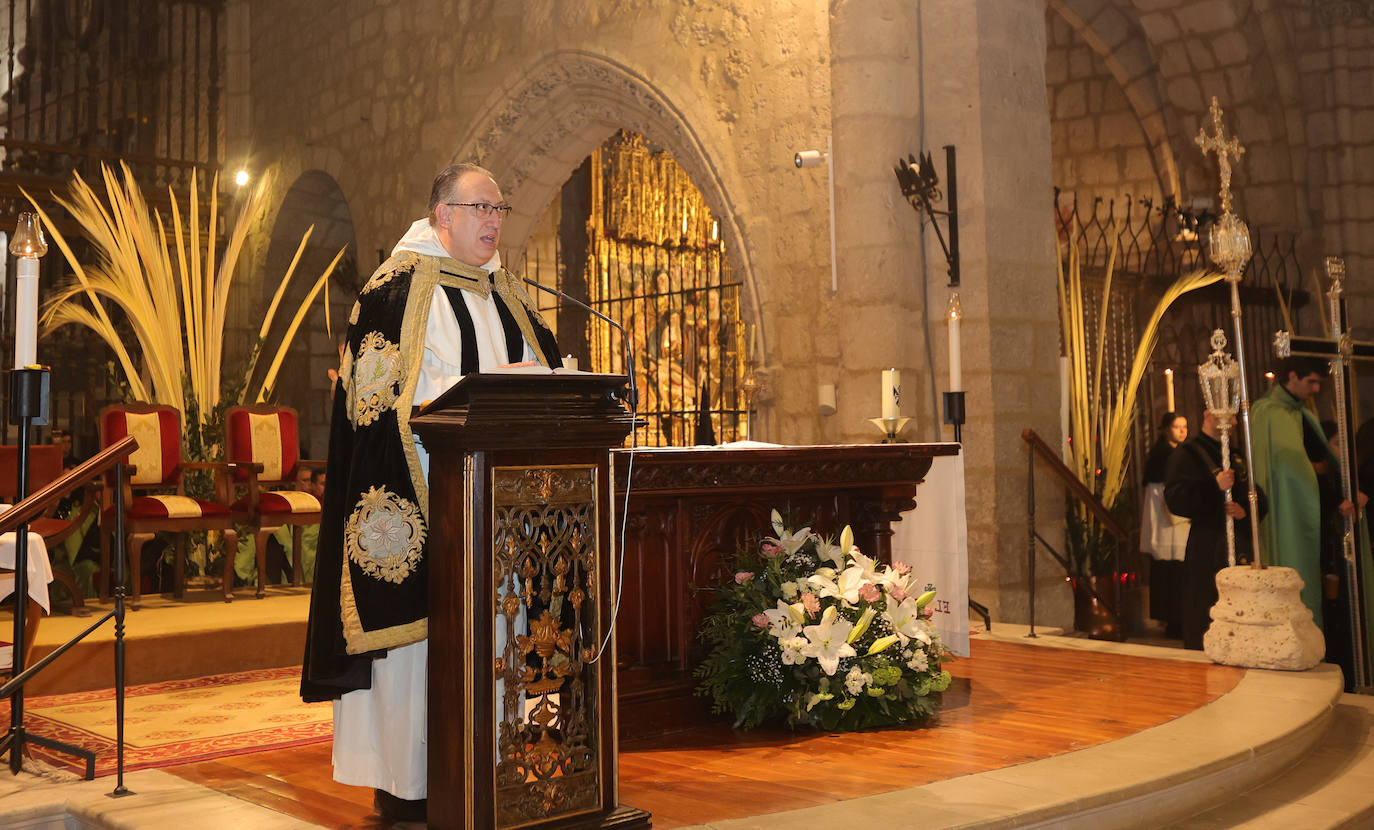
820 635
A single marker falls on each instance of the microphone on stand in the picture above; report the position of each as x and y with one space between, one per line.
632 398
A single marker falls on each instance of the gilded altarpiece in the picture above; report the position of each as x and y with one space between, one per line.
546 638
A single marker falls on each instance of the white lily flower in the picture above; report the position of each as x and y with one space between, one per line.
781 621
845 588
827 640
789 542
865 566
906 621
829 552
907 583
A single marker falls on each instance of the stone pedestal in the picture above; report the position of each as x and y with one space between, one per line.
1259 621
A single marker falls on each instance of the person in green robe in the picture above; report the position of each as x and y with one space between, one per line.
1290 452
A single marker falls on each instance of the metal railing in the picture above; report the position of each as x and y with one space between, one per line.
1037 446
17 519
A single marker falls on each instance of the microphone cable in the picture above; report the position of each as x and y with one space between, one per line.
633 401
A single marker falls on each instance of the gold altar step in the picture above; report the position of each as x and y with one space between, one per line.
177 639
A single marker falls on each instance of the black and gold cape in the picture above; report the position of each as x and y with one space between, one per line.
371 572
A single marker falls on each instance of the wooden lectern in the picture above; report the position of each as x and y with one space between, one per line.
522 581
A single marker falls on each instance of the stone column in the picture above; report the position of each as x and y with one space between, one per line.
875 314
977 69
984 92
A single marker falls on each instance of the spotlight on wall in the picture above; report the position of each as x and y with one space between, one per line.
810 158
241 178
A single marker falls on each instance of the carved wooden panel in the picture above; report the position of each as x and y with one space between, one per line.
544 587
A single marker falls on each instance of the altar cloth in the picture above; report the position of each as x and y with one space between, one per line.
933 540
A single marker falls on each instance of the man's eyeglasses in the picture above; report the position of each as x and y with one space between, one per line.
483 209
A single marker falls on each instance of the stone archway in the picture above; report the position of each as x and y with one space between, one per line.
566 105
1115 36
314 198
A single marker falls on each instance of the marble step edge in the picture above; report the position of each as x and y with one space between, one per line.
1151 778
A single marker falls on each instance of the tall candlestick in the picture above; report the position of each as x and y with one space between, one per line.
892 393
1169 390
954 312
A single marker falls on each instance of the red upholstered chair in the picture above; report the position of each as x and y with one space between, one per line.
263 450
157 471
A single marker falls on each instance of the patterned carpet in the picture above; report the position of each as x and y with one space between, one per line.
180 721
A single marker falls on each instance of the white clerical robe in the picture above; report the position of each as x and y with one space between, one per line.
380 733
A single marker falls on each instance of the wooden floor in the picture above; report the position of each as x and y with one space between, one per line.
1009 703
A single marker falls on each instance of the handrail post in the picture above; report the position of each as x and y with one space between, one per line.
28 400
120 789
1030 521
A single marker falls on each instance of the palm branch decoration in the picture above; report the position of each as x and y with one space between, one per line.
172 287
1095 411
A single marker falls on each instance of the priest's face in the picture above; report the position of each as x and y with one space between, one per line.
468 237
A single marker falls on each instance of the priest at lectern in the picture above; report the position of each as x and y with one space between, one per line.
441 307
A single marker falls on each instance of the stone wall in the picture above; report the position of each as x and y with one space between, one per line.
1100 147
1335 63
379 98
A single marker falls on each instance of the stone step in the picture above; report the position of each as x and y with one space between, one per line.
1331 786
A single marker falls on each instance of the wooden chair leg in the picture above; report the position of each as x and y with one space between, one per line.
297 557
260 550
136 543
231 547
179 568
79 608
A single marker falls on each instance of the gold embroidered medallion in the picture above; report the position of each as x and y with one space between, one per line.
376 378
385 535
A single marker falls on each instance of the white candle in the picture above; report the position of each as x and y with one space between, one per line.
1169 390
892 393
953 313
753 342
26 314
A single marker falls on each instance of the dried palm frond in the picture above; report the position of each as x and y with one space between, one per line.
1101 420
172 289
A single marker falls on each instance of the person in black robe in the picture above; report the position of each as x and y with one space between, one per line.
1195 487
1162 534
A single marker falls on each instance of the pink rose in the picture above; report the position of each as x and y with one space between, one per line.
771 550
760 619
869 593
810 603
897 592
902 568
743 577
